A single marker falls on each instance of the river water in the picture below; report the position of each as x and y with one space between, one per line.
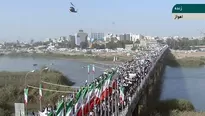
70 68
186 83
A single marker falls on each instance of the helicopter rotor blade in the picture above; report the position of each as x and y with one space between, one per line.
72 4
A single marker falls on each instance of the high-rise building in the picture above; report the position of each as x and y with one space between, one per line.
122 37
72 38
81 37
97 36
127 37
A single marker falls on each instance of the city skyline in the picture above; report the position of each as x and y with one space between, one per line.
25 20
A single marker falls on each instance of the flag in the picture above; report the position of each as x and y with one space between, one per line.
26 96
122 94
106 87
40 91
69 107
98 91
60 109
90 92
90 98
81 102
50 114
93 69
78 95
88 69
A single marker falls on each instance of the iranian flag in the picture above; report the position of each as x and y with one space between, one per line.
81 102
49 114
78 95
105 92
122 96
69 107
26 96
93 70
40 92
90 98
98 91
60 109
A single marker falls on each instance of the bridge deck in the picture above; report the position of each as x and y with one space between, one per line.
127 111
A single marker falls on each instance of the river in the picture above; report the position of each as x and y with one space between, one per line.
186 83
70 68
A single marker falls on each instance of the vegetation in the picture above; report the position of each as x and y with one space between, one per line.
184 43
118 44
172 107
12 85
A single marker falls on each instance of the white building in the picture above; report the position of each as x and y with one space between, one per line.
149 37
128 46
135 37
108 37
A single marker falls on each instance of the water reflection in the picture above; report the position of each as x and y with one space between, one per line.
186 83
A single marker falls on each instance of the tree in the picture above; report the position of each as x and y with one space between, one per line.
137 41
98 46
83 45
111 45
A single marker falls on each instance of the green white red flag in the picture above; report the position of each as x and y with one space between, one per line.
26 96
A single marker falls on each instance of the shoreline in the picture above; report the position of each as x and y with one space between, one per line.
189 61
81 58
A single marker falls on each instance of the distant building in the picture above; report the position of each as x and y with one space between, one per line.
108 37
143 42
122 37
127 37
81 37
62 38
97 36
72 39
128 46
136 37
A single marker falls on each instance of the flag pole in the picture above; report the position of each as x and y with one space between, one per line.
40 95
112 101
88 84
26 100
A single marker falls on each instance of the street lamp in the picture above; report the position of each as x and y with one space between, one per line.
46 68
27 75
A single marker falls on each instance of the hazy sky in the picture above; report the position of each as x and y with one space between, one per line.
39 19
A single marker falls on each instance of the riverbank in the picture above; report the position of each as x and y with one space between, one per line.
88 57
174 60
175 107
12 86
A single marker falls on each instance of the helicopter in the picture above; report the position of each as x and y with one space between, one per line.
72 8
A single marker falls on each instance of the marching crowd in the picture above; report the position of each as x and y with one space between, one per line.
123 81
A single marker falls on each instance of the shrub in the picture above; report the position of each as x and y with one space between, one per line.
175 104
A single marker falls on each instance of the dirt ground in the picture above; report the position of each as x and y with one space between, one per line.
183 54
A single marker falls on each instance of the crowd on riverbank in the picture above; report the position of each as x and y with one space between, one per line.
112 91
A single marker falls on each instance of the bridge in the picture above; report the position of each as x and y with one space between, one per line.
138 101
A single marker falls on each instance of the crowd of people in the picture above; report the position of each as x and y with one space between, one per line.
130 77
117 86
